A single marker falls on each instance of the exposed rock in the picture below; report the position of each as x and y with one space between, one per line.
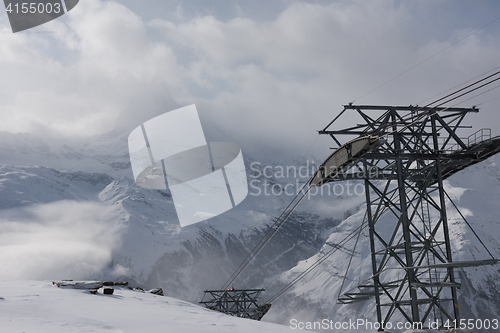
156 291
121 284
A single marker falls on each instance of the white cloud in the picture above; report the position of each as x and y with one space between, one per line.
271 83
277 82
61 240
78 78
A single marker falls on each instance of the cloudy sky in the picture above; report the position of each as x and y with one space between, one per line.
267 73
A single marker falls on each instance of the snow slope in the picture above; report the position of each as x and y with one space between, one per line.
38 306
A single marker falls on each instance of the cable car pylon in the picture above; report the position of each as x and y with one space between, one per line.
402 154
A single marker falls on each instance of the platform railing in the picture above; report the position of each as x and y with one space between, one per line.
476 137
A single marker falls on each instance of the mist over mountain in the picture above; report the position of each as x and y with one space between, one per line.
151 104
71 210
149 247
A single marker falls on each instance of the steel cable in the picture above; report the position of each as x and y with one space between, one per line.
268 235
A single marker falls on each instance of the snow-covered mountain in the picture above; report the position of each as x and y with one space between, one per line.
41 176
100 225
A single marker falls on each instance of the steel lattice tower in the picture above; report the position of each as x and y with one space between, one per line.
241 303
403 154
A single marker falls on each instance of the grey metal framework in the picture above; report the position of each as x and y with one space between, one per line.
402 154
237 302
